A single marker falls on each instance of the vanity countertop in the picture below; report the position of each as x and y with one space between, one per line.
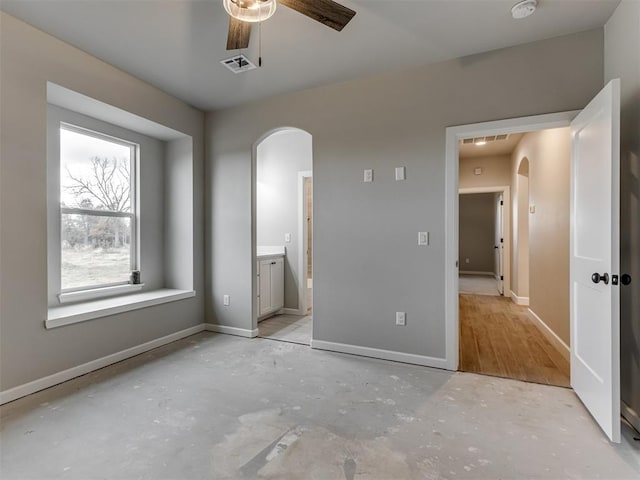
270 251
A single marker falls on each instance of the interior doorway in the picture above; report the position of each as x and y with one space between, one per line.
483 240
501 332
284 236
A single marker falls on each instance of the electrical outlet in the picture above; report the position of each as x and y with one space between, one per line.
423 238
226 300
368 175
466 260
401 319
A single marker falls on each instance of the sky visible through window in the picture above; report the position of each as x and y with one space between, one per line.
76 153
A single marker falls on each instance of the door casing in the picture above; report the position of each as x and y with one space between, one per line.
505 190
453 136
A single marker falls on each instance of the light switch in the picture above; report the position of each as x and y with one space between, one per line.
423 238
287 237
401 173
401 318
226 300
368 175
532 209
477 171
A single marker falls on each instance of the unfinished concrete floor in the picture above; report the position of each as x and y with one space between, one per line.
217 406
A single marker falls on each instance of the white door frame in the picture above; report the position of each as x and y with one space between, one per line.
505 190
453 136
303 262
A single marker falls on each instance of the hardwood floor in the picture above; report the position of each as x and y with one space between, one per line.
498 338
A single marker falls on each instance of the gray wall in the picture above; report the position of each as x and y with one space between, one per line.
477 214
495 172
367 261
622 60
544 235
279 159
29 59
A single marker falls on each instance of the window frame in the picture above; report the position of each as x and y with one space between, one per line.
102 289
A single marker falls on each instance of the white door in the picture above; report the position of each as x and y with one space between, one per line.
498 247
595 258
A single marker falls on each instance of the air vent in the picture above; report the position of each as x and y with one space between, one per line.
238 64
483 140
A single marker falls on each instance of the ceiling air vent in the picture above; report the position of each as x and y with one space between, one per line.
238 64
484 140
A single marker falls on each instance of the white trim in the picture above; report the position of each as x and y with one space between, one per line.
238 332
65 375
302 242
81 312
557 342
453 135
95 293
289 311
519 300
381 354
631 415
470 272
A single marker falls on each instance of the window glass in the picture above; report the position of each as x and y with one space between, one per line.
96 209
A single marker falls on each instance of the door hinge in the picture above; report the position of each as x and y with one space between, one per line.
502 240
501 277
501 202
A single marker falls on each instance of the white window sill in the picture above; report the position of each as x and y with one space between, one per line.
81 312
95 293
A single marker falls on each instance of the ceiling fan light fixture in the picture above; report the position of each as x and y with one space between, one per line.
250 10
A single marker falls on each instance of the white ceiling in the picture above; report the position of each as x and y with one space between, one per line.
177 44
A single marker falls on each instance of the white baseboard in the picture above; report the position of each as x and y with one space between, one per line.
60 377
468 272
520 300
239 332
557 342
381 354
631 415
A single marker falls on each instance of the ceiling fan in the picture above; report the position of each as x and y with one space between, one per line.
243 13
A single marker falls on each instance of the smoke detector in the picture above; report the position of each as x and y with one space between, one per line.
524 9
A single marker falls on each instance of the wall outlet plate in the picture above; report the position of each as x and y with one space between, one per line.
368 175
401 318
401 173
423 238
287 237
226 300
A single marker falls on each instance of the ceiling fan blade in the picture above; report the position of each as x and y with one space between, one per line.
328 12
239 34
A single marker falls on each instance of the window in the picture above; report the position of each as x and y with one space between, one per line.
97 209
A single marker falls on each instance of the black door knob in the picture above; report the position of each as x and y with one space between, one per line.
597 278
625 279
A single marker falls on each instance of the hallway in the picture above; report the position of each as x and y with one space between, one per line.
498 338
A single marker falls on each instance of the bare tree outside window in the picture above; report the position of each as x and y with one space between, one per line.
96 209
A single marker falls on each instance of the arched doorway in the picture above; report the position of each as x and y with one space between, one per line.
283 232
